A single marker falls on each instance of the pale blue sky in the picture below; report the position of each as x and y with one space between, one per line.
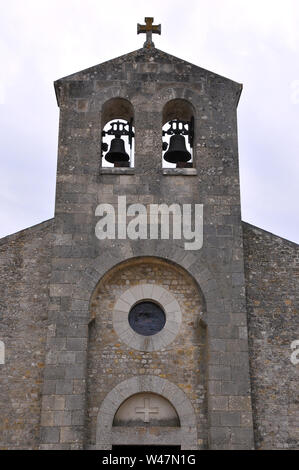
255 43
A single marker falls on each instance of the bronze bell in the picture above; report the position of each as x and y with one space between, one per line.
177 151
117 151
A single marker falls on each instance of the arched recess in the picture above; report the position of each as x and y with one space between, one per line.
104 96
149 259
177 108
116 352
188 103
193 264
178 126
117 125
144 409
111 103
185 435
117 107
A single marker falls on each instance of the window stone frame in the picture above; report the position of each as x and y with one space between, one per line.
147 292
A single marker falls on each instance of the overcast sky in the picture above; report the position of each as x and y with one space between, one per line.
252 42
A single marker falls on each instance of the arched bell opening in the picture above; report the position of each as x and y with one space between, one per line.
177 134
118 134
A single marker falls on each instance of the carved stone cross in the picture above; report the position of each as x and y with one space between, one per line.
146 410
149 28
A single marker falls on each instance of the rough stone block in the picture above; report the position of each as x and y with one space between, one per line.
74 402
50 435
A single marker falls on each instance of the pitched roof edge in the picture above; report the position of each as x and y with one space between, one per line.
34 228
67 77
238 86
239 93
254 227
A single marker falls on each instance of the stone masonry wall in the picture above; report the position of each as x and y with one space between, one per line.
148 79
272 293
24 297
182 362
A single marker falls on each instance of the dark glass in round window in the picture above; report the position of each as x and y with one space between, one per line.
147 318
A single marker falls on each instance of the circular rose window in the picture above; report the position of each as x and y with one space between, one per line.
147 318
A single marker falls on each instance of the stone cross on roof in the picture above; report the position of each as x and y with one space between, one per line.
149 28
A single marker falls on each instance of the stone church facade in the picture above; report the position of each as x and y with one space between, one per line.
218 374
